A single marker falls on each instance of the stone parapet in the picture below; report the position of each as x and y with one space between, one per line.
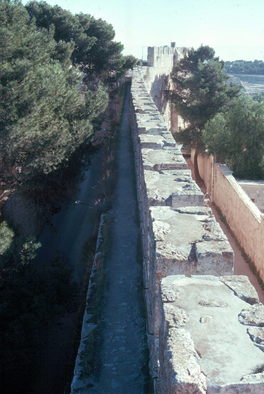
242 215
189 241
207 341
172 187
163 159
180 236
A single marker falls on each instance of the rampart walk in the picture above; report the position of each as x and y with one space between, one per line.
205 325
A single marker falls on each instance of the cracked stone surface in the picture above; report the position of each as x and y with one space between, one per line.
172 188
242 288
253 316
182 372
203 250
151 117
153 141
169 158
256 334
151 124
150 129
203 337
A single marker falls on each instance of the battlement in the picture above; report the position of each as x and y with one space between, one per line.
165 56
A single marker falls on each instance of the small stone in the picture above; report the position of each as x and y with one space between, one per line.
170 294
256 334
213 303
253 316
253 379
175 317
205 319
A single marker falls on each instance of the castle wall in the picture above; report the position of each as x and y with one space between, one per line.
162 57
242 215
255 190
156 76
185 254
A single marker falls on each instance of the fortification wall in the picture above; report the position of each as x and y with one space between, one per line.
156 76
196 318
255 190
162 57
242 215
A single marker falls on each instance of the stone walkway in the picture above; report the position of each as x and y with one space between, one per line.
122 355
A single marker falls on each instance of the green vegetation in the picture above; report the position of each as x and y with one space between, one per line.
236 136
57 72
258 97
219 118
6 237
93 47
244 67
45 116
47 109
29 251
200 91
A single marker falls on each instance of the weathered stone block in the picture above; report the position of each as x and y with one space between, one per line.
190 241
204 348
175 188
241 287
152 130
165 159
214 257
152 124
151 141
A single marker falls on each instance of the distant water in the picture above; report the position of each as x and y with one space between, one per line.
251 83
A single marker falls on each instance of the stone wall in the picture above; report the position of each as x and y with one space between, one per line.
242 215
182 241
162 57
156 76
255 190
86 355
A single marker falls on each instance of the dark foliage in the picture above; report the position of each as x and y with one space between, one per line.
236 136
46 113
244 67
200 91
31 299
93 47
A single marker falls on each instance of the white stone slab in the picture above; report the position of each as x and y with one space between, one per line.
175 188
163 159
189 241
204 346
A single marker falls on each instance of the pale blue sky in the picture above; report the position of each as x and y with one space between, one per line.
234 28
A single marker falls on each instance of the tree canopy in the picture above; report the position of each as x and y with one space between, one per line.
244 67
200 91
46 112
54 74
94 49
236 136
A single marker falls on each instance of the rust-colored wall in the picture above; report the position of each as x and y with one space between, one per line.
242 215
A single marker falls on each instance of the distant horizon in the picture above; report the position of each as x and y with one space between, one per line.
233 28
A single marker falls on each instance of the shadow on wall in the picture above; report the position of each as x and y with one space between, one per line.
159 90
241 214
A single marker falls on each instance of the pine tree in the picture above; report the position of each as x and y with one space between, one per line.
94 50
200 91
46 111
236 136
